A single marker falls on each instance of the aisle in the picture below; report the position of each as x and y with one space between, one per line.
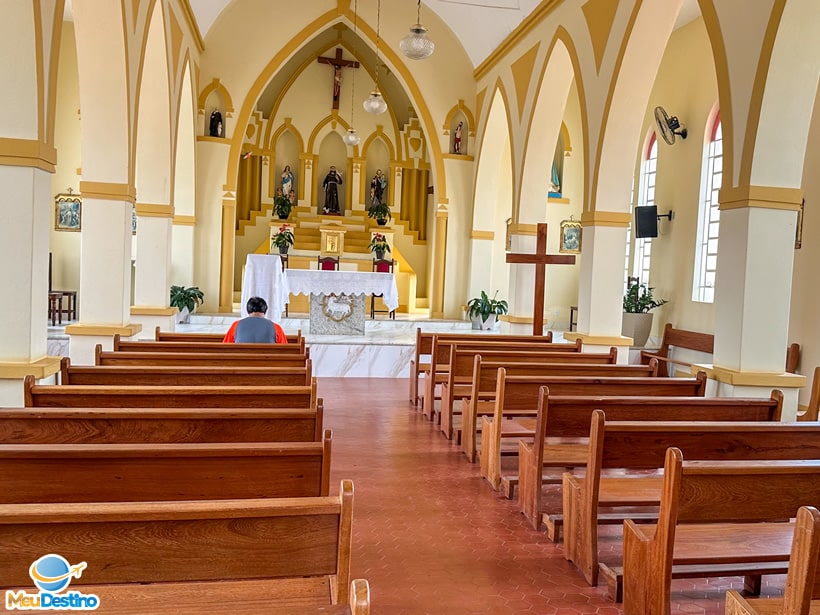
432 537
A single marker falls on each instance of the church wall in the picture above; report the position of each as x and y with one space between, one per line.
64 245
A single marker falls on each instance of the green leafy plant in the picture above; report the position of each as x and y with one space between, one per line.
186 297
639 299
483 306
282 206
283 238
380 211
379 242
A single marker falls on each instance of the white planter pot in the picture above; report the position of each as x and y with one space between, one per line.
484 325
183 315
638 327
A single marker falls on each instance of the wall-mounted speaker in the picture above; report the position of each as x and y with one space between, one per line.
646 221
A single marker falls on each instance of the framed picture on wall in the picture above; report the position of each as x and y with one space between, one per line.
570 237
68 212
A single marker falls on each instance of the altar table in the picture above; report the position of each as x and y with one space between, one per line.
264 278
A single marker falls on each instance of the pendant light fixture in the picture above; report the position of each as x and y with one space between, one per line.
416 45
375 103
351 138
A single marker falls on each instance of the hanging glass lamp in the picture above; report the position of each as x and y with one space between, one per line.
375 103
351 138
416 45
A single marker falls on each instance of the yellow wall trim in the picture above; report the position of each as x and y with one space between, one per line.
108 191
213 139
514 37
482 235
27 153
104 330
555 199
522 75
184 220
517 320
147 310
760 379
606 218
463 157
599 340
599 15
769 197
523 229
191 20
152 210
41 368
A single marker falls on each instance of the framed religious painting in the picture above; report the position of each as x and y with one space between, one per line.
570 237
68 212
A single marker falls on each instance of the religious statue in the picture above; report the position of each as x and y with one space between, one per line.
292 198
377 187
215 126
332 180
287 180
555 182
337 82
457 138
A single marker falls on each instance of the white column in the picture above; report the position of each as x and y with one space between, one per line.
153 270
356 186
307 173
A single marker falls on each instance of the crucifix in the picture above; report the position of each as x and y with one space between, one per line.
540 259
338 64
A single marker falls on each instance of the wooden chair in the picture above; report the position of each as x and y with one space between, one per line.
285 264
381 265
70 310
328 263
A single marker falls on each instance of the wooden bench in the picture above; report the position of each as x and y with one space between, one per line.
699 342
215 347
717 518
183 375
436 374
193 358
176 336
46 473
813 409
159 425
285 556
641 446
124 396
560 417
424 348
459 375
802 594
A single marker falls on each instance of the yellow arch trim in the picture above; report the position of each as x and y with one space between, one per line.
448 121
379 134
288 126
565 137
216 85
334 117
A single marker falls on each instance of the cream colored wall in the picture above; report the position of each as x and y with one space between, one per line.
65 245
685 86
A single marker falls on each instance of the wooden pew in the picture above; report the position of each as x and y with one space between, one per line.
560 417
183 375
193 358
641 446
176 336
813 409
159 425
802 594
215 347
459 374
249 556
123 396
717 518
517 391
47 473
424 347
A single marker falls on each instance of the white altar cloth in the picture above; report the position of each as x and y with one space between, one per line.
264 278
307 281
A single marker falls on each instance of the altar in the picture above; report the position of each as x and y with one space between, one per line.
264 278
337 298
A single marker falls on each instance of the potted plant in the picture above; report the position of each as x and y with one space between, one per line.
379 245
483 311
186 300
381 212
637 319
282 239
282 206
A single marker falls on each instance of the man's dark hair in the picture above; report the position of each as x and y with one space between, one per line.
257 304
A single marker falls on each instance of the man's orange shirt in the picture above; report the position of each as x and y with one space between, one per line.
230 336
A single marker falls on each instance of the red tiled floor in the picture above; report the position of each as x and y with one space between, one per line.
432 537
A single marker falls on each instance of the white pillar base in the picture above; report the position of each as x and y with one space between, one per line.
149 322
84 340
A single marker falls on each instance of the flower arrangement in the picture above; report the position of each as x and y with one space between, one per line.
282 239
378 243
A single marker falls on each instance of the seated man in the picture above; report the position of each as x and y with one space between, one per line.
255 328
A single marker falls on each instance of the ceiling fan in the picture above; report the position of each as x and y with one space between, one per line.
669 126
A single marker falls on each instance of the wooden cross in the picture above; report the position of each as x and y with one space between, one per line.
540 259
338 64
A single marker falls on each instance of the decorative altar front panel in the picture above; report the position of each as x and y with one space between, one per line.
264 278
310 281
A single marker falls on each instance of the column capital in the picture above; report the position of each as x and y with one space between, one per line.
766 197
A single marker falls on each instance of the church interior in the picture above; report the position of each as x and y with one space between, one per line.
150 144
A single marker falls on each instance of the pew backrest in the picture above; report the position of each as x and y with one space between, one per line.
216 347
193 358
176 336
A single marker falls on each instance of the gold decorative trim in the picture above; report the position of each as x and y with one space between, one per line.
205 139
599 17
463 157
767 197
560 201
523 229
42 368
522 76
152 210
184 220
142 310
599 340
606 218
109 191
126 330
27 153
516 320
757 379
191 20
216 85
482 235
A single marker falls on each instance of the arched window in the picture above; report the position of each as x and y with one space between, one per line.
649 171
706 248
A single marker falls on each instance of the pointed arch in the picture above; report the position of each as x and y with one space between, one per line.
448 121
379 134
286 126
215 85
320 129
